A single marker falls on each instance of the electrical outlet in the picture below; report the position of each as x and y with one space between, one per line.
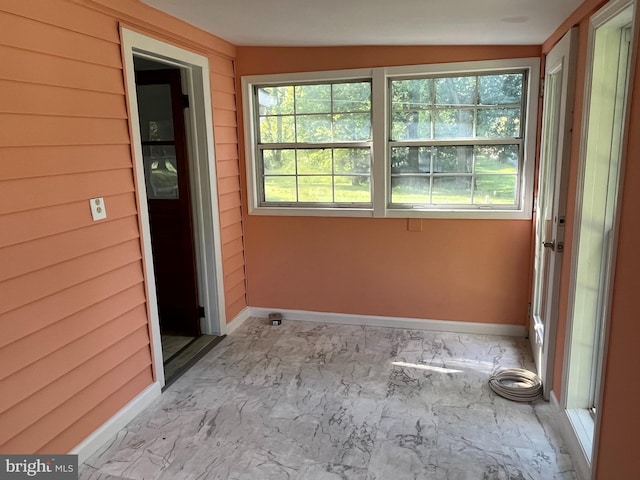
98 210
275 318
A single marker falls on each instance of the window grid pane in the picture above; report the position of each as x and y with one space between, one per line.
496 99
334 116
470 129
457 175
327 175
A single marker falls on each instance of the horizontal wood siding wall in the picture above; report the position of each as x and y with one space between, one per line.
74 333
74 341
226 141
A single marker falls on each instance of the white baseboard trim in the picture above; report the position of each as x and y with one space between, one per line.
238 320
107 431
577 453
394 322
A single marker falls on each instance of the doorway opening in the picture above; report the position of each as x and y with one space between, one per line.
596 217
170 107
166 173
163 136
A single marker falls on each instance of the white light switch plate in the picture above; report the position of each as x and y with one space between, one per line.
98 210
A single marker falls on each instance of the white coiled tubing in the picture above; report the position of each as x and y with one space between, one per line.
516 384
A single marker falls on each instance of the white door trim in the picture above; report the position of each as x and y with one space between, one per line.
207 235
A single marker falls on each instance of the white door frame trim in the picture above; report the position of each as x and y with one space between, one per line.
606 13
207 235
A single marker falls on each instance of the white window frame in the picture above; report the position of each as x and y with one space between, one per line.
380 162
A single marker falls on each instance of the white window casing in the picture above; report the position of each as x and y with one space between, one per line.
381 143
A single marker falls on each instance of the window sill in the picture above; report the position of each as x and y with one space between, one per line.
475 214
584 428
311 212
480 214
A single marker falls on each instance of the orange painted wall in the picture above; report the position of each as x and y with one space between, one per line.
74 342
462 270
616 456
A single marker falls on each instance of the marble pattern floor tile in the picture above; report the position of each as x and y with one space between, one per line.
314 401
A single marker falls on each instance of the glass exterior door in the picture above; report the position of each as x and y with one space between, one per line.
551 204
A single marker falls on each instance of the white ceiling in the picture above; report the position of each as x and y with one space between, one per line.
373 22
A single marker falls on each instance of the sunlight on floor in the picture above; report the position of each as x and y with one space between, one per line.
425 367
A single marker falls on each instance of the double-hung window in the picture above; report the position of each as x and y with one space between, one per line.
313 145
448 140
456 141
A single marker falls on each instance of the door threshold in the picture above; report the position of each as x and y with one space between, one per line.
188 356
172 352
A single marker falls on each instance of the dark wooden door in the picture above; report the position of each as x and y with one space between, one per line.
161 111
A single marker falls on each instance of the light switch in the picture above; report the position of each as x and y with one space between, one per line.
98 210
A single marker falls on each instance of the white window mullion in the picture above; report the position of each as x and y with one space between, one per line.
380 180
